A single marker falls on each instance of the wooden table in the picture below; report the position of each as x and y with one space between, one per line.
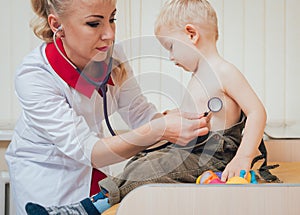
288 172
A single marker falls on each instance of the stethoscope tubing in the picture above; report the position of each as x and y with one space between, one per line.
103 90
99 85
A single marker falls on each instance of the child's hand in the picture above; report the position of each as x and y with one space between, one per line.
234 167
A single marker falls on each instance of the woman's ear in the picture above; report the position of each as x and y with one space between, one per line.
55 24
193 33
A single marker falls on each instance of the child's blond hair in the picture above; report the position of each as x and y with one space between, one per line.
177 13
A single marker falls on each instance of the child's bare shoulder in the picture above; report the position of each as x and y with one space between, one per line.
226 68
228 72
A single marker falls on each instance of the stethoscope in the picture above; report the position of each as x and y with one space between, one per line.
102 85
214 105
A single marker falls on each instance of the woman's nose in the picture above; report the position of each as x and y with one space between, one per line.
109 32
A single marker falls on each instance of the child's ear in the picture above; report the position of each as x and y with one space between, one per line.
193 33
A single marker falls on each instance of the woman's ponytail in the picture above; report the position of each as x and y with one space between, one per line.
39 23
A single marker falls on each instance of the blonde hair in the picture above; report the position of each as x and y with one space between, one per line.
42 30
119 73
177 13
42 9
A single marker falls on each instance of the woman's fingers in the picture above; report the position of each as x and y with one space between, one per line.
201 131
191 116
191 129
183 127
197 124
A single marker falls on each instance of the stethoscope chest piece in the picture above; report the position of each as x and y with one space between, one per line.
214 105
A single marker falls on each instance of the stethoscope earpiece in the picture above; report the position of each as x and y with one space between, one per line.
59 28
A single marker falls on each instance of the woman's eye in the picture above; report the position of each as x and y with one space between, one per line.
93 24
112 20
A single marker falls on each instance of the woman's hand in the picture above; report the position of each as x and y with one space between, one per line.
182 127
176 127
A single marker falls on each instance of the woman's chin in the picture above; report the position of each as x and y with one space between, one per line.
101 56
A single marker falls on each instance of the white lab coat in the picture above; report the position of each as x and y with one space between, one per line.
49 157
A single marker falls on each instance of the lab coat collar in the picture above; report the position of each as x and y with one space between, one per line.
67 72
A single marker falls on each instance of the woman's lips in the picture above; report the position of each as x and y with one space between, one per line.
103 49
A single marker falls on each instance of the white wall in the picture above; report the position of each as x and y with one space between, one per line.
261 37
16 41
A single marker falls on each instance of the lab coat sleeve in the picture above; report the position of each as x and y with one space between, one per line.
48 116
134 107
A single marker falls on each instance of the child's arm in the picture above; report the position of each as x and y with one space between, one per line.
238 88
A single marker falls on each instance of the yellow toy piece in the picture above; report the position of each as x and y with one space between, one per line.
237 180
198 180
248 177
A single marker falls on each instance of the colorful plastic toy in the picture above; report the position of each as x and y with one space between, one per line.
210 177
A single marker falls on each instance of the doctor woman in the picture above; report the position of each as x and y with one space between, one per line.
58 141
